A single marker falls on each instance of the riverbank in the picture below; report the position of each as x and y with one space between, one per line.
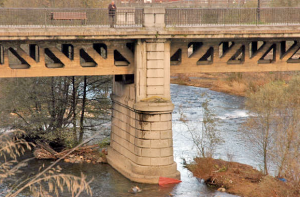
231 83
239 179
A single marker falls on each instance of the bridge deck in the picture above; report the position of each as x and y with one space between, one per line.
34 49
93 33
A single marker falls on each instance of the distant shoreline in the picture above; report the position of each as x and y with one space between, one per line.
237 84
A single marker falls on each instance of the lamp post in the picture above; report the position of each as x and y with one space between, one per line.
258 11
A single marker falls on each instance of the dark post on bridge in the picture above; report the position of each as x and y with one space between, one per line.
258 11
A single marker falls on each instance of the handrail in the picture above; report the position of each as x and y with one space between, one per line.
135 17
232 17
41 17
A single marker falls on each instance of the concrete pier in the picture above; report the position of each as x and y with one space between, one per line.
141 140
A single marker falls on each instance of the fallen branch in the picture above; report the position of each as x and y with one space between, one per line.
44 151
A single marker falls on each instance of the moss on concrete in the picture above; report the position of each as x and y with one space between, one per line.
156 99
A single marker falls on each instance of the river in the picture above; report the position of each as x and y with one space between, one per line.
229 110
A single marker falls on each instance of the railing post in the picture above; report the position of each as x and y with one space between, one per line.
288 18
154 17
256 17
258 11
223 16
240 17
45 15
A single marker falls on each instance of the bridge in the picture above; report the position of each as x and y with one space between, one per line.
144 48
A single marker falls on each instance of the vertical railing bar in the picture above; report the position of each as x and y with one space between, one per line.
239 14
223 11
287 21
45 15
256 16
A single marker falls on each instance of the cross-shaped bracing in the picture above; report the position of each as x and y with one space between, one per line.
235 56
44 59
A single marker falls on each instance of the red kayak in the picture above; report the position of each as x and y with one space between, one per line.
165 180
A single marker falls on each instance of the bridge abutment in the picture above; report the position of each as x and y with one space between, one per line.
141 140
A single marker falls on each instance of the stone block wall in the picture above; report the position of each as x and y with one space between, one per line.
158 69
141 141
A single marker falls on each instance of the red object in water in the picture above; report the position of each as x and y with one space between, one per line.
165 180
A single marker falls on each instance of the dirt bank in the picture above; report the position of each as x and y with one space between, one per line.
239 179
230 83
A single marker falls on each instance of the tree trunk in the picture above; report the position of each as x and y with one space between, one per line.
52 105
265 163
82 110
265 149
74 110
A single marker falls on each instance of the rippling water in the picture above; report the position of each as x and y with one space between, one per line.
229 110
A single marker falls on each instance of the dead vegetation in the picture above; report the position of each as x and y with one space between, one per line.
240 179
48 180
231 83
88 154
273 133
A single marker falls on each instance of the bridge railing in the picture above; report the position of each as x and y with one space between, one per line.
39 17
232 17
194 3
135 17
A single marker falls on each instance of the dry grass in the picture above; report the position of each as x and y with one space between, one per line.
50 180
232 83
293 176
235 87
241 179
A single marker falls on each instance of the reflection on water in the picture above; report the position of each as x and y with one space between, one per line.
229 109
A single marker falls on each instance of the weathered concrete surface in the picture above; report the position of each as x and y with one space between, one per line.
154 17
141 140
96 33
51 60
210 57
178 37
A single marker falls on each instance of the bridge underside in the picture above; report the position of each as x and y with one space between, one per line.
42 59
107 57
235 56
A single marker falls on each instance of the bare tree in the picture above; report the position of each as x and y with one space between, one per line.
205 137
273 127
259 128
287 130
47 108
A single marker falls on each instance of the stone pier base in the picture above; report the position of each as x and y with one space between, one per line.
141 140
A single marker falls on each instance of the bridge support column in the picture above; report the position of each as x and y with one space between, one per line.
141 139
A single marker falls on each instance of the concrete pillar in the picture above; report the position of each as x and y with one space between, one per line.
154 17
141 140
